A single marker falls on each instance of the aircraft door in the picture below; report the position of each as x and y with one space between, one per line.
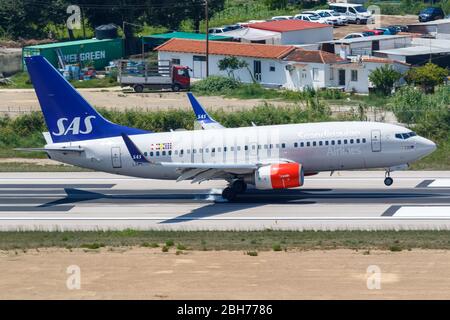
116 157
376 140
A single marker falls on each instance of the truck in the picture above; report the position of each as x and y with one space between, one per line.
160 74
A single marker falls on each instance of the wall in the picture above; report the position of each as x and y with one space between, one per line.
269 78
301 76
307 36
10 61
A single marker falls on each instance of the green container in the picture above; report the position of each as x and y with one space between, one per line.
91 51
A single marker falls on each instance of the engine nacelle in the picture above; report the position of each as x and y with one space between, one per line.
279 176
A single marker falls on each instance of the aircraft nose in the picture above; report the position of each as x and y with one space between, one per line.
427 146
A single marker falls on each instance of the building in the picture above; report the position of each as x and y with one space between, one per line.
438 28
365 45
310 68
296 31
277 65
421 51
93 51
353 76
264 61
251 35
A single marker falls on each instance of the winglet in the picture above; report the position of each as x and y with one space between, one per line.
202 116
134 151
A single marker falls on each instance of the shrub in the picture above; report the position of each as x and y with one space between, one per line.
252 253
215 84
276 247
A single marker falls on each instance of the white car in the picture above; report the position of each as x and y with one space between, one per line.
325 16
278 18
310 18
339 18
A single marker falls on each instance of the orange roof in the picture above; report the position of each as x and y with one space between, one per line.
288 25
314 56
226 48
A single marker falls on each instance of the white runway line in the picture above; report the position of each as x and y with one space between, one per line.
426 212
395 217
440 183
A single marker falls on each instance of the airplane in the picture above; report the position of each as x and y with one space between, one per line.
265 157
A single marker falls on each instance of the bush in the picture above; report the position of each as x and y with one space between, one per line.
215 84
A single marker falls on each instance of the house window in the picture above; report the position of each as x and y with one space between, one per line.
354 75
176 61
331 74
272 67
315 74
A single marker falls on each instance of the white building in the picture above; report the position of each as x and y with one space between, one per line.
296 31
276 65
365 45
438 28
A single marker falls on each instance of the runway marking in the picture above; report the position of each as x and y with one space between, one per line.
440 183
221 218
423 211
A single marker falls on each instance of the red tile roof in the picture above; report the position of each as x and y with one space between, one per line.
288 25
226 48
314 56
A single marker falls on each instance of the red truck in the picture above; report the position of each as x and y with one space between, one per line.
161 74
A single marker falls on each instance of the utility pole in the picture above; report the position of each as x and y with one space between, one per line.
207 38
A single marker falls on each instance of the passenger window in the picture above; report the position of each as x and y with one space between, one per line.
164 153
265 146
345 141
170 152
253 147
358 140
283 145
145 153
314 143
295 144
219 149
157 153
213 150
351 141
320 143
339 141
200 150
231 148
224 149
302 144
326 142
270 146
238 148
188 151
364 140
151 153
308 144
333 142
207 150
245 148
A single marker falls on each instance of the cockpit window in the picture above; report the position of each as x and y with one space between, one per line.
405 136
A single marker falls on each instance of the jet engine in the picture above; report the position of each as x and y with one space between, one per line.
279 176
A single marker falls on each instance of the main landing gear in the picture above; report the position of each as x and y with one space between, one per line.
388 181
237 186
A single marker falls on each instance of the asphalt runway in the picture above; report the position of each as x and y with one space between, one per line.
347 200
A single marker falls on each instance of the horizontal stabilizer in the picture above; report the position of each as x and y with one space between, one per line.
62 149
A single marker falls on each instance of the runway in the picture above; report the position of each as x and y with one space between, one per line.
346 200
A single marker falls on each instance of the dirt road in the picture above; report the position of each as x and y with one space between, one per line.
143 273
17 101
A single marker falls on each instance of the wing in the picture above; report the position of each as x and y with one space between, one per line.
203 118
62 149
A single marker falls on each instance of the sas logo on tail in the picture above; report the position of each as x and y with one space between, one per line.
74 126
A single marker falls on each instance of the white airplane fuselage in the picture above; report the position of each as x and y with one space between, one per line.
325 146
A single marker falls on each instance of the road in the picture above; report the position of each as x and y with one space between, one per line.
347 200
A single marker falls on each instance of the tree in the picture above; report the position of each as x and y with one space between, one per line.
231 64
276 4
384 78
427 76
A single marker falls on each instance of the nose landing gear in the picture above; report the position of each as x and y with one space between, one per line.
388 181
237 186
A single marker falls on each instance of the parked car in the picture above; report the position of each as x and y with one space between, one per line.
355 13
430 14
218 30
359 35
387 31
376 32
233 27
310 17
399 27
278 18
342 19
325 16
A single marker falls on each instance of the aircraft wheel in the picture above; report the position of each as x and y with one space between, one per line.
388 181
229 194
239 186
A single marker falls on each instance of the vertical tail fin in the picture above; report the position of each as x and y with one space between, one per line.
69 117
202 116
